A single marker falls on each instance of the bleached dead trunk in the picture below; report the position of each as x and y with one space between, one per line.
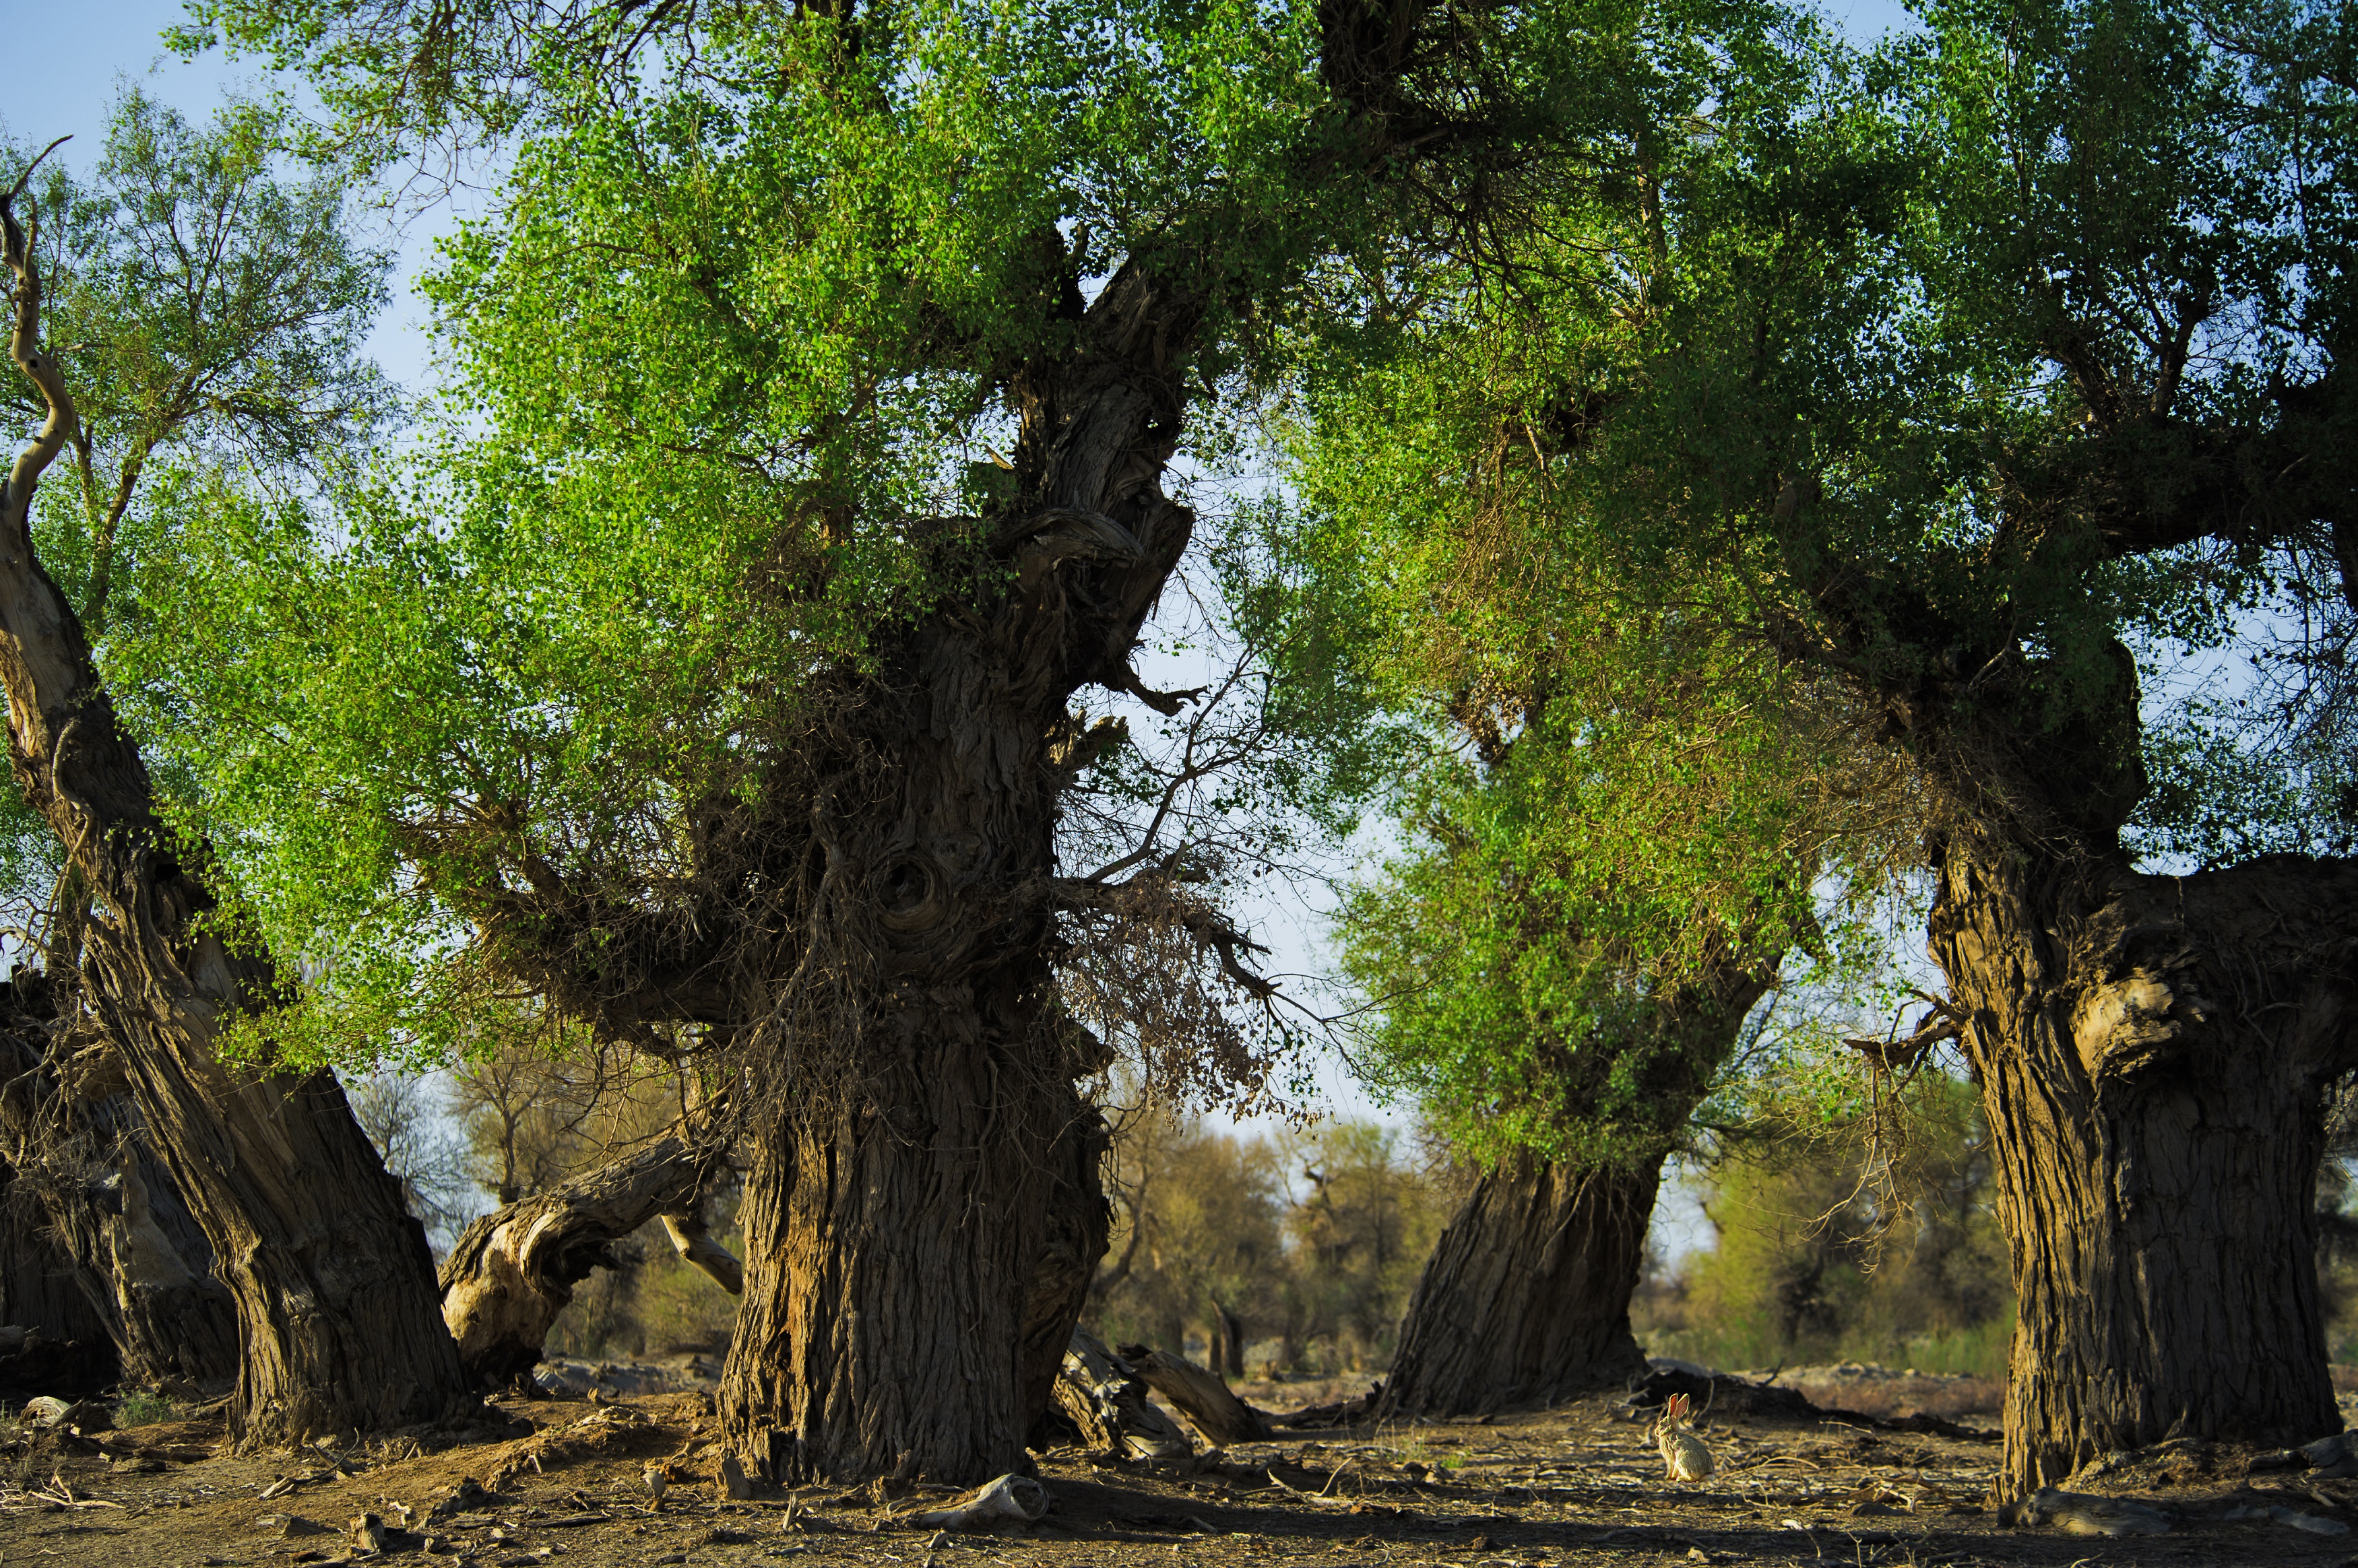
513 1270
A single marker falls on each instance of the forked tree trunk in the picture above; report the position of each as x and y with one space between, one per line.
1525 1299
337 1319
2152 1053
338 1325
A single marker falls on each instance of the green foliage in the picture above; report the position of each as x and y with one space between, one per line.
726 359
1702 407
1795 483
144 1407
1542 988
1629 801
208 306
1902 374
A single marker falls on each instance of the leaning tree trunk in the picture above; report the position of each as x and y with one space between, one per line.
1525 1297
337 1315
2153 1053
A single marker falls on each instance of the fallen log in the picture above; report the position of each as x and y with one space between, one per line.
1100 1394
1202 1398
1730 1396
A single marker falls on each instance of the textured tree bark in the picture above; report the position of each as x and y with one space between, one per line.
1079 1222
1224 1342
891 1261
1525 1299
2153 1053
331 1277
1107 1402
919 1237
512 1271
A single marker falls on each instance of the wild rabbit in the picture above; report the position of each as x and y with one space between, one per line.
1682 1451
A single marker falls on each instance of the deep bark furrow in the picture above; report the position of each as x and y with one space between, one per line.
54 1336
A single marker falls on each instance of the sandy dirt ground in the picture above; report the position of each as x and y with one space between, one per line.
563 1482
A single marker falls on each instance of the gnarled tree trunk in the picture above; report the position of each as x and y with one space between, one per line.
2153 1053
899 1307
1525 1297
890 1258
338 1321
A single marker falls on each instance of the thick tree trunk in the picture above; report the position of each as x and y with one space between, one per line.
337 1314
889 1258
904 1215
872 942
2152 1053
1525 1299
513 1270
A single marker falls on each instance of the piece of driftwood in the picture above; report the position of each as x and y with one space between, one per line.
1099 1393
1203 1398
1017 1500
513 1270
